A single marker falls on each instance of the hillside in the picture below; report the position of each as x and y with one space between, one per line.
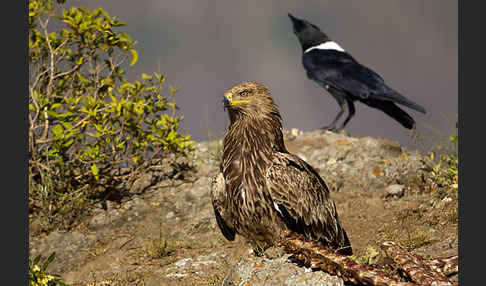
166 233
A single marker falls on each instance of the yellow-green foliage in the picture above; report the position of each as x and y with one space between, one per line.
86 120
38 275
160 247
369 258
445 171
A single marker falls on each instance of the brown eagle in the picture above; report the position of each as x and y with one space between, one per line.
262 191
272 197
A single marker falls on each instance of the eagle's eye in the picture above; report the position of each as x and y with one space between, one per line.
245 92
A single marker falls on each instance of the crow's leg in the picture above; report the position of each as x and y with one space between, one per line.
341 101
351 113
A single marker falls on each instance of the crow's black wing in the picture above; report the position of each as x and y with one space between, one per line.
339 69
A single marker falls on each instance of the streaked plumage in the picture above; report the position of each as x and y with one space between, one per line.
272 197
262 191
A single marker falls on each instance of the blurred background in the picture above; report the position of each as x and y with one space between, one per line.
205 47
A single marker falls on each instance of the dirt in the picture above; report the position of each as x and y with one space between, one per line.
167 234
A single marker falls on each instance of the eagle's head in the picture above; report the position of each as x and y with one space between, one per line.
249 100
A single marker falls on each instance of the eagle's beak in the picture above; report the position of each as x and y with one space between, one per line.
227 99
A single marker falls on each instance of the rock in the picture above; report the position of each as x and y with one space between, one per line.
112 248
280 271
295 132
170 215
141 183
67 245
395 191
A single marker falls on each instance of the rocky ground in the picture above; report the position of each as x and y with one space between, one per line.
167 235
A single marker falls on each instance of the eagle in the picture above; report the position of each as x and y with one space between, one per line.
262 191
272 197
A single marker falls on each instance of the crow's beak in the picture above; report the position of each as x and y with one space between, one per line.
293 18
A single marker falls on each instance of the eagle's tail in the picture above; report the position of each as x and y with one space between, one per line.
314 255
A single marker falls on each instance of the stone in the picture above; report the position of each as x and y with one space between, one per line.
395 191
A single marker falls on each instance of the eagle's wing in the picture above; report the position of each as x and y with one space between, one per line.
302 200
218 200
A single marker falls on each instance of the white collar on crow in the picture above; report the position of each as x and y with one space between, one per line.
329 45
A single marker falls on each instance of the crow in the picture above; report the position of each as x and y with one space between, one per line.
345 79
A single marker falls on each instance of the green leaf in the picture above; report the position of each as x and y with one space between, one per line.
52 113
134 57
125 85
55 105
146 76
48 260
67 125
95 170
81 77
79 61
36 259
68 143
57 131
171 136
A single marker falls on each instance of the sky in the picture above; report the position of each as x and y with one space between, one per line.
205 47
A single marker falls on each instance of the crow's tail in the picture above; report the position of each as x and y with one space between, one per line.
400 99
394 112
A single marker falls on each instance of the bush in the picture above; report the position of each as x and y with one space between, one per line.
445 171
38 275
444 162
90 128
